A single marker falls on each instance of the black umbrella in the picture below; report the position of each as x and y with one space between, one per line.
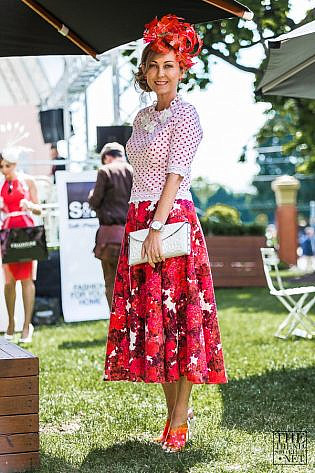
30 28
291 66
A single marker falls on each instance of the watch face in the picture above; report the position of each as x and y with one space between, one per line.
156 225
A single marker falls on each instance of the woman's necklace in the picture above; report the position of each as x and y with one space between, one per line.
10 184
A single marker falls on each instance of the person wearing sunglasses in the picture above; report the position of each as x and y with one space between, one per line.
18 201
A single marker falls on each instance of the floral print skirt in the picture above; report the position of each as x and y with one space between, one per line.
163 322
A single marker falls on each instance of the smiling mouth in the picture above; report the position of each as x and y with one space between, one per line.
161 83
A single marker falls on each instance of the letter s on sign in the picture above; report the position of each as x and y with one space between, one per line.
75 209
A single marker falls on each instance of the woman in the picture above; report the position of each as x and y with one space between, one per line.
163 325
307 248
18 201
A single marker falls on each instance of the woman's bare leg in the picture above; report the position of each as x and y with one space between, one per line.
28 294
170 392
10 296
181 406
177 399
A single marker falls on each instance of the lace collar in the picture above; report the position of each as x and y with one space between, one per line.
150 120
175 101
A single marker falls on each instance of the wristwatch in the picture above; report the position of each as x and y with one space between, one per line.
156 225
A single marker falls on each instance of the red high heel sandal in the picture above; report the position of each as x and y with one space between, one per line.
178 437
162 437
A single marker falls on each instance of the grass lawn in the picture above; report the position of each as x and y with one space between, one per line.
90 426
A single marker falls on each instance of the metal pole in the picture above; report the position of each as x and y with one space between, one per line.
116 87
86 123
66 117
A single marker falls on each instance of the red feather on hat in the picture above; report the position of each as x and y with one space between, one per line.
181 36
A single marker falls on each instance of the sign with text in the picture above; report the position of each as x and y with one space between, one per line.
289 447
82 283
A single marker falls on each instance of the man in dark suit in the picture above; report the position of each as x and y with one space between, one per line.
110 199
54 155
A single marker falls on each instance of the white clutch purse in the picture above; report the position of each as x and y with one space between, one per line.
175 242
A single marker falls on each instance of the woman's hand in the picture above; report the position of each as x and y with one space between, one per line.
26 204
152 247
33 203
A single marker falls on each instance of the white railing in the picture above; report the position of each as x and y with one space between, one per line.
47 194
50 218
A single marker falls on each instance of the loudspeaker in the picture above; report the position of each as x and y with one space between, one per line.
51 122
108 134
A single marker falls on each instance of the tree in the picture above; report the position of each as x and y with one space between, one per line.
227 39
206 194
273 163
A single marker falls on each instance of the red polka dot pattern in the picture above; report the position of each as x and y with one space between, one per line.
163 142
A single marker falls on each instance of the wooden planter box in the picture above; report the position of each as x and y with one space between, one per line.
19 423
236 260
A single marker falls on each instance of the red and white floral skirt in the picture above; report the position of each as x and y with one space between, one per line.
163 322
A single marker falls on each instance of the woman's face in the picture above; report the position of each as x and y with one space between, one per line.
7 168
164 73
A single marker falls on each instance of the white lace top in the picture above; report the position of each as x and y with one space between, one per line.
163 142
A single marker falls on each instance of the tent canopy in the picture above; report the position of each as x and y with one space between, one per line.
291 66
101 24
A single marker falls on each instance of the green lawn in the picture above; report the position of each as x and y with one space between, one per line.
91 426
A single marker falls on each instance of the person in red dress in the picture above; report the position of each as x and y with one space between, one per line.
18 200
163 324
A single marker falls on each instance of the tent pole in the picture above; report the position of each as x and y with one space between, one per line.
60 27
235 10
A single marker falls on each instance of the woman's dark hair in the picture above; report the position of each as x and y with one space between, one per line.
115 153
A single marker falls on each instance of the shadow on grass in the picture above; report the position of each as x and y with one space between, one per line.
135 456
277 400
50 464
82 344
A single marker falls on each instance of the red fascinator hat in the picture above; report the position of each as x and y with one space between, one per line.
170 31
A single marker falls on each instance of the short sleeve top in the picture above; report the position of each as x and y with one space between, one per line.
163 142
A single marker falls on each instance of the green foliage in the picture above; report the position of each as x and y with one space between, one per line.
283 265
223 219
206 194
293 117
226 40
221 213
274 164
231 229
308 167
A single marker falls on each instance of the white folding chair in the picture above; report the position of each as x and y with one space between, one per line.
298 308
